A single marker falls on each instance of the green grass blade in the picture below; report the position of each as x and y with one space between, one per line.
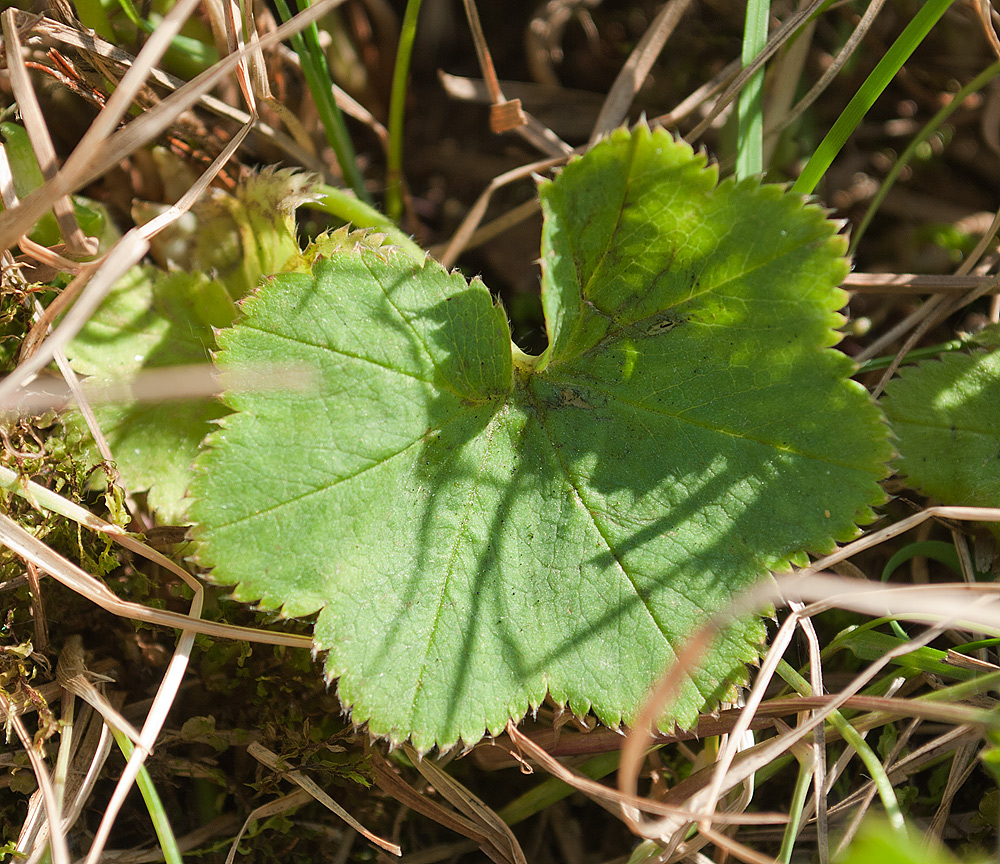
161 825
317 75
551 790
855 740
803 782
397 111
935 123
885 362
750 145
879 79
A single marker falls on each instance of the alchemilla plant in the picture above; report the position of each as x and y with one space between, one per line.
479 528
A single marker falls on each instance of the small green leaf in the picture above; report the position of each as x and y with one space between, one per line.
877 843
946 416
479 528
153 319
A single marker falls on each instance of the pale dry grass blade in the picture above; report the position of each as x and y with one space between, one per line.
960 514
920 603
72 675
392 784
633 73
735 848
53 812
32 841
935 314
819 737
283 804
495 829
475 215
900 770
162 702
774 42
601 793
197 381
91 756
76 172
345 102
235 43
962 766
774 748
494 228
76 579
786 79
95 280
271 760
75 389
782 120
90 43
506 114
43 498
912 283
38 135
728 753
8 195
699 96
92 284
900 328
127 89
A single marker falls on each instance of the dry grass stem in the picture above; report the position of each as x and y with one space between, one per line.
270 760
69 574
38 134
911 283
774 42
779 121
284 804
101 148
198 381
496 831
475 215
636 69
53 811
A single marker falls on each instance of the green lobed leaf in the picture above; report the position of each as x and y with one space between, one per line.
945 414
480 528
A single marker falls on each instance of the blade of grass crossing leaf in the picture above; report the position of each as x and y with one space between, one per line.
164 833
881 75
397 111
317 75
935 123
750 146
